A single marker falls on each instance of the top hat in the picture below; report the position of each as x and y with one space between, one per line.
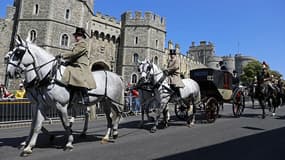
80 32
172 52
264 65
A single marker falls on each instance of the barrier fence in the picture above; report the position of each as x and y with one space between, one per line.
18 112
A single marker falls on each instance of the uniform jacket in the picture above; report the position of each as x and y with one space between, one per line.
174 75
77 73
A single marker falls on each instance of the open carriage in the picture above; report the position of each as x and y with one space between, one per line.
216 88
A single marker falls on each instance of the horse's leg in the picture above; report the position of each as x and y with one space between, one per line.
262 104
156 121
67 126
86 120
155 124
34 119
252 102
107 110
141 125
39 118
116 120
192 110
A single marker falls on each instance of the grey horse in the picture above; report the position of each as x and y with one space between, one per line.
43 73
190 94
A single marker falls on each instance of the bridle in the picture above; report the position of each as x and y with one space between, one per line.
18 54
147 68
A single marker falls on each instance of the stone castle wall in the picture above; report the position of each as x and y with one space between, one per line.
112 43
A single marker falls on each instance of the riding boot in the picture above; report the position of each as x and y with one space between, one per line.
85 97
176 93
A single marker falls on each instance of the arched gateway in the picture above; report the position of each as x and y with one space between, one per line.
100 66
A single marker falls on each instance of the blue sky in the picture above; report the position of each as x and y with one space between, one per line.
258 26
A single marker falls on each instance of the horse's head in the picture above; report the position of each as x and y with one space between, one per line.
145 70
17 59
26 57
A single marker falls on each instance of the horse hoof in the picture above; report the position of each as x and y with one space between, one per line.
166 125
263 116
153 130
68 147
104 141
83 135
115 136
190 125
25 154
273 114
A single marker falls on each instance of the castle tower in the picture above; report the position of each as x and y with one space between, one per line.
142 36
50 24
202 52
229 62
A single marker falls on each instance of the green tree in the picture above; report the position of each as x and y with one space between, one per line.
250 71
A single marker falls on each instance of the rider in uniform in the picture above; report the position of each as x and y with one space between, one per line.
77 73
266 75
172 71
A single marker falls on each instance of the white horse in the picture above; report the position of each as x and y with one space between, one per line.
150 74
43 73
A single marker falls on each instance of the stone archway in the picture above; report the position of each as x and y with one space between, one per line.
100 66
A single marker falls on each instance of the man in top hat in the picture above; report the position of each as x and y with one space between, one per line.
172 71
77 73
235 80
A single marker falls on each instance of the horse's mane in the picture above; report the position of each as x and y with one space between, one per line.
40 49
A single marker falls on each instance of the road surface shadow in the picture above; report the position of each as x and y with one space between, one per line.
262 146
55 139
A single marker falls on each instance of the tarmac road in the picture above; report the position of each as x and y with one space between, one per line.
246 138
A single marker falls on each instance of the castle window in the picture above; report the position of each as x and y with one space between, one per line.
156 43
135 58
33 35
136 40
36 9
67 14
156 60
134 78
64 40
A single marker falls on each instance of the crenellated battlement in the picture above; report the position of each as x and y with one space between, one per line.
107 19
146 18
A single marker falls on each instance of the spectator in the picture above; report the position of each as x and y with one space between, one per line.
5 93
137 106
21 92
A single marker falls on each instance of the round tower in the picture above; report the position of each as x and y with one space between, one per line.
213 62
229 62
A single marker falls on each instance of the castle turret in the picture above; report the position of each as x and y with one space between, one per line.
51 23
202 52
142 36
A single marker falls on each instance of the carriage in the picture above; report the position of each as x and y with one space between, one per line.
216 88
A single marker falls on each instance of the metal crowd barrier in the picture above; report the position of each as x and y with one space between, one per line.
17 112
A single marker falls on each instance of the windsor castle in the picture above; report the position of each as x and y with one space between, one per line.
114 45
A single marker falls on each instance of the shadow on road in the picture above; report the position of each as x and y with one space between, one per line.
55 139
263 146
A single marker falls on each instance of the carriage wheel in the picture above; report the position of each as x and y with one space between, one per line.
212 110
238 104
181 111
